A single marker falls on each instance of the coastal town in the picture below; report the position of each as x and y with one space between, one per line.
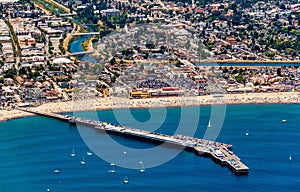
221 48
145 95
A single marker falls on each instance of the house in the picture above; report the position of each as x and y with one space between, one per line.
8 81
231 40
110 12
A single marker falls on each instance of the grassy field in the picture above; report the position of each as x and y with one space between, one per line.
51 6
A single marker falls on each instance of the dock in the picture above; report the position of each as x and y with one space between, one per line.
219 152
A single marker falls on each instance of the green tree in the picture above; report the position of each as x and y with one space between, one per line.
22 71
112 61
10 74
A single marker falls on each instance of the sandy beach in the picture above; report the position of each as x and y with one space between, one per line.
118 103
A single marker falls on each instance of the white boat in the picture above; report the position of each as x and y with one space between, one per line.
112 170
247 133
125 181
48 190
290 158
88 153
142 169
56 171
82 162
73 153
283 121
209 125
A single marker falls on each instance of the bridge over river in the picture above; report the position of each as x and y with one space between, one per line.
81 53
88 33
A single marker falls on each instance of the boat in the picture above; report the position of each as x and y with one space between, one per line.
56 171
82 162
88 153
209 125
125 181
113 168
142 169
290 158
48 190
73 153
283 121
247 133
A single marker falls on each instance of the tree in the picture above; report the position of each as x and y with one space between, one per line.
279 71
178 63
150 46
10 74
112 61
240 79
22 71
142 67
36 74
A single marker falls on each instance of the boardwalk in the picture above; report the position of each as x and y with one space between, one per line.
219 152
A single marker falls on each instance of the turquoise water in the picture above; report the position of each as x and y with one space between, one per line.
32 148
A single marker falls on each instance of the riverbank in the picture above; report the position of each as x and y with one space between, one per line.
67 10
117 103
87 45
67 42
36 4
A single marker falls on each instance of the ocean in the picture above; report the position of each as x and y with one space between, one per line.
32 148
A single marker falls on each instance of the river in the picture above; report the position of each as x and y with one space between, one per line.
76 46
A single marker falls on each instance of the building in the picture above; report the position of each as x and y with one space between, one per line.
110 12
162 92
140 93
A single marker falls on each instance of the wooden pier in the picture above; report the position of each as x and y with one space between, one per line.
219 152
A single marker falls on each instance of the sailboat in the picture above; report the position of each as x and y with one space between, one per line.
283 121
247 133
209 125
290 158
113 168
125 181
56 171
82 162
73 153
89 153
142 169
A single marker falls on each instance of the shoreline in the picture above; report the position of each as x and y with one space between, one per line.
165 102
237 61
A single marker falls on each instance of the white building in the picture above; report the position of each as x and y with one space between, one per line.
110 12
